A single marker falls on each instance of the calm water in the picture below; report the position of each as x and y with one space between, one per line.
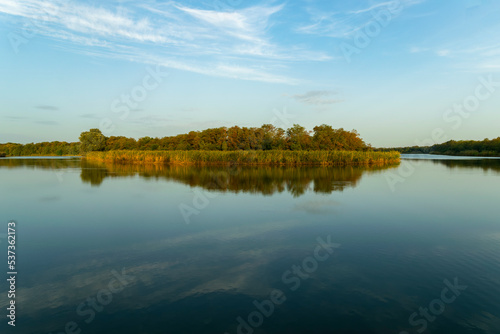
158 249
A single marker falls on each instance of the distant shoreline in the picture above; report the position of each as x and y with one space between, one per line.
44 156
435 156
460 148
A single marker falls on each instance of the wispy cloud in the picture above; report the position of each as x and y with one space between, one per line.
373 7
416 49
492 66
469 56
14 117
316 97
346 23
248 24
443 53
174 35
47 122
47 107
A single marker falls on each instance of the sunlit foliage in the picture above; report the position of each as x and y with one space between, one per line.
248 157
267 137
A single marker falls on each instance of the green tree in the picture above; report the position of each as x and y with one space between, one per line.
324 137
272 137
92 140
298 138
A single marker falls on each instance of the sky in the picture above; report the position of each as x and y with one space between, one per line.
400 72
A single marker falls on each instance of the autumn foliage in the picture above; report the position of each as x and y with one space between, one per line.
267 137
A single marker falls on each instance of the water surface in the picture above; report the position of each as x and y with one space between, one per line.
196 249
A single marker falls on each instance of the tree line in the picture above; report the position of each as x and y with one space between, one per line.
43 149
483 148
266 137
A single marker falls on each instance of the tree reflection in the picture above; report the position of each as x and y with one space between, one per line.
265 180
485 164
43 163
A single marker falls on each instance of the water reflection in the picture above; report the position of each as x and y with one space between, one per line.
452 162
265 180
200 278
41 162
486 165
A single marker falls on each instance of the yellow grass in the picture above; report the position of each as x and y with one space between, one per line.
273 157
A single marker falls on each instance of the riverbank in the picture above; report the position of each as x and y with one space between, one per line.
41 156
272 157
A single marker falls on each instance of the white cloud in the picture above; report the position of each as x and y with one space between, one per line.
491 65
416 49
177 36
443 53
369 9
472 56
345 24
252 20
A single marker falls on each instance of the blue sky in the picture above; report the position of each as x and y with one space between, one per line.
393 70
